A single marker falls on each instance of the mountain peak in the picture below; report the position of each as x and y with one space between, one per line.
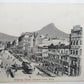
49 27
52 31
51 24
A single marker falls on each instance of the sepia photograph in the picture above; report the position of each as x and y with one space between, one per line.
41 42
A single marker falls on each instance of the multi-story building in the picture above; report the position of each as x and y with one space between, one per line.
75 50
43 47
64 58
41 53
40 39
57 59
26 42
43 50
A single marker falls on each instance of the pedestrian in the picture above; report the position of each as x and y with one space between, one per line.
11 73
38 73
15 67
7 72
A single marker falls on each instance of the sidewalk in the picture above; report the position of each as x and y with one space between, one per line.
46 71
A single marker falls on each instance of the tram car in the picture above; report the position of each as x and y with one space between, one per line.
27 67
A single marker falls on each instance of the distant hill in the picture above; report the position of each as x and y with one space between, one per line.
5 37
52 32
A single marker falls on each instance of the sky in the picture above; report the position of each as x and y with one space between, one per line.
16 18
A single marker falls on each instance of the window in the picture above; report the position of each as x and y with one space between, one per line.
74 63
61 51
76 52
65 58
71 51
73 42
67 52
80 42
76 42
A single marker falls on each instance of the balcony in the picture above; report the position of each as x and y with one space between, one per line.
75 46
75 56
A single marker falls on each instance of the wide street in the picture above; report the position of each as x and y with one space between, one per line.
35 74
19 73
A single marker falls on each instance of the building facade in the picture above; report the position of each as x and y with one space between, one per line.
75 50
26 42
57 61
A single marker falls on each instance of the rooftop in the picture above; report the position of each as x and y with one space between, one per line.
77 28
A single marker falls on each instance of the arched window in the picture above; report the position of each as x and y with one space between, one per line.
73 42
77 42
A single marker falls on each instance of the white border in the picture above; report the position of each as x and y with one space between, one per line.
45 1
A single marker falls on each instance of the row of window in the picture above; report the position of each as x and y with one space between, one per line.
76 52
61 52
78 42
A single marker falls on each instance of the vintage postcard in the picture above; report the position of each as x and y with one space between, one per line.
41 42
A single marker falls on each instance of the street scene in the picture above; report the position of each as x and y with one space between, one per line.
18 72
41 41
33 55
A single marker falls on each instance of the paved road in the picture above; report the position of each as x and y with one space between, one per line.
19 73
